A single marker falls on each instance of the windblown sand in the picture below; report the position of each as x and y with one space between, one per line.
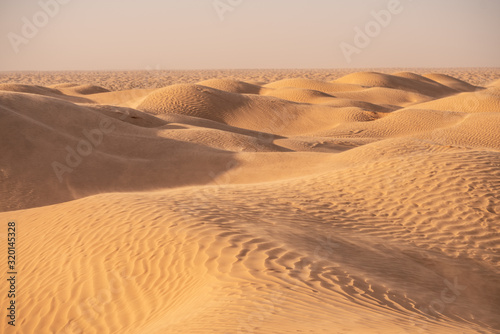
253 201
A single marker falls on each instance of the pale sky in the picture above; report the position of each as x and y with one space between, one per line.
245 34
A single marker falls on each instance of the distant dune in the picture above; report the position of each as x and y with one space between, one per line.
254 201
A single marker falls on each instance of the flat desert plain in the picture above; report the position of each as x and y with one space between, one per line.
273 201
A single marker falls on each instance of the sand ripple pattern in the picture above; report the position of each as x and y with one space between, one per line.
256 203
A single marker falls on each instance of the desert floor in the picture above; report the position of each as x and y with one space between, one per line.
252 201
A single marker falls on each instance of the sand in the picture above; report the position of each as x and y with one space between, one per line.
272 201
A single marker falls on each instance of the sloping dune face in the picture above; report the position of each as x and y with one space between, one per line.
367 204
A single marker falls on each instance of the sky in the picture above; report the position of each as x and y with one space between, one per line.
246 34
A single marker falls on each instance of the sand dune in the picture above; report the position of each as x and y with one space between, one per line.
232 86
44 91
301 95
80 89
262 203
451 82
478 101
146 79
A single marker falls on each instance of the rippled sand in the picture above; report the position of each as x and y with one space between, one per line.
257 201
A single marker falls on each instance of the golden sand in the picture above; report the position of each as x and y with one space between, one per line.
253 201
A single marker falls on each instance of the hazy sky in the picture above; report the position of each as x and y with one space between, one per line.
193 34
